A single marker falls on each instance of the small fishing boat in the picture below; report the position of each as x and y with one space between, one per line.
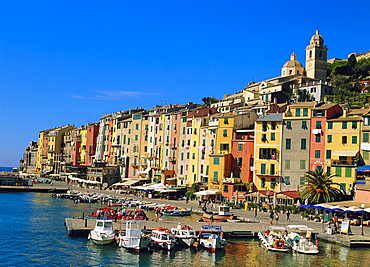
223 214
133 237
162 238
273 239
177 212
301 239
211 237
103 232
184 235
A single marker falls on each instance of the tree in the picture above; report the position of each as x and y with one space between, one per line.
207 101
320 188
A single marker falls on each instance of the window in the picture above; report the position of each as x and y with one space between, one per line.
302 164
192 168
264 139
224 147
318 124
216 161
183 143
240 147
195 144
273 182
317 154
288 143
137 126
225 133
354 125
226 121
272 169
289 125
226 188
343 186
328 154
330 125
304 125
297 112
330 138
302 181
136 137
193 155
287 180
195 131
366 137
201 168
272 136
328 170
344 140
348 172
317 138
263 168
354 139
215 176
240 161
305 112
344 125
188 155
273 125
182 156
287 164
263 182
365 155
264 126
303 144
338 171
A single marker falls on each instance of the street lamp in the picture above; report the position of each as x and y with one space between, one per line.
362 219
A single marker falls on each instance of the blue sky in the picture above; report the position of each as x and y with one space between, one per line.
70 62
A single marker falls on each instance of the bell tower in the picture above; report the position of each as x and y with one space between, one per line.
316 58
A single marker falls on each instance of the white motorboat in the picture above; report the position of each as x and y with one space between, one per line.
162 238
273 239
133 237
184 235
301 239
211 237
103 232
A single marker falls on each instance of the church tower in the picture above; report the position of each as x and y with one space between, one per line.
316 58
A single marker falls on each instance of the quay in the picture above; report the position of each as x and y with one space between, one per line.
82 227
58 188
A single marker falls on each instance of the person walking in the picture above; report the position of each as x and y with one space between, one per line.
271 216
276 218
288 215
255 212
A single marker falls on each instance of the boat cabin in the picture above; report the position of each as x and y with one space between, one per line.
223 210
103 225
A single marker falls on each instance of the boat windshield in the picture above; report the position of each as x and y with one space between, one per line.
108 224
99 224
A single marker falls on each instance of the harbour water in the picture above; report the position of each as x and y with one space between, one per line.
33 234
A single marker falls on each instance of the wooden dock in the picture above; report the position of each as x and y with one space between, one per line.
78 227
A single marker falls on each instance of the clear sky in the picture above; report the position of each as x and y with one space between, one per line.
70 62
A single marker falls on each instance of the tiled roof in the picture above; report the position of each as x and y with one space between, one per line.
272 117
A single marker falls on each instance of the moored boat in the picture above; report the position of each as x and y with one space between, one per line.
184 235
273 239
162 238
223 214
211 237
177 212
103 232
301 239
133 237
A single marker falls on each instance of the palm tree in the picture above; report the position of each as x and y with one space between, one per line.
320 187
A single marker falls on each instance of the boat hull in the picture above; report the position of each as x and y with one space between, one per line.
217 216
101 240
269 246
212 244
136 243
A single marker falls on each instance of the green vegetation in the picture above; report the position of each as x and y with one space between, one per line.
343 76
207 101
320 188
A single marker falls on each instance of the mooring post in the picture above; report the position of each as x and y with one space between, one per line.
85 222
83 215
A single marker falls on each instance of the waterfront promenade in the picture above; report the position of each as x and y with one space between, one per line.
356 239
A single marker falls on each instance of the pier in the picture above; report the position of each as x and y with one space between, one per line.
78 227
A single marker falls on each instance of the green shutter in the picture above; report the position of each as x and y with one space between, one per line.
287 164
263 168
302 164
338 171
366 137
348 172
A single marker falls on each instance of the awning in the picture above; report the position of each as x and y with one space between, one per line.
157 174
128 182
345 153
365 168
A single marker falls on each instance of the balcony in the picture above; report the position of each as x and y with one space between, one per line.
231 180
350 163
213 123
134 165
172 160
173 147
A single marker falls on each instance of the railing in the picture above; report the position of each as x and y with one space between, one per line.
344 162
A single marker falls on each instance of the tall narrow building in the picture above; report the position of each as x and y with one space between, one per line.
316 58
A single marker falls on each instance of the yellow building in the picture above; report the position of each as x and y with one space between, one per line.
342 146
267 151
219 168
83 145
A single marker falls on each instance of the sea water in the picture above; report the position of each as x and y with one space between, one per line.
33 234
